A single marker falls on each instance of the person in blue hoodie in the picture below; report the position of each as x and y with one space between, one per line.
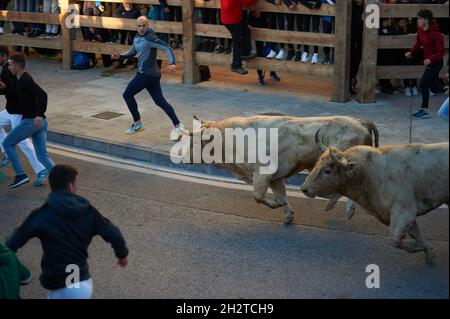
65 225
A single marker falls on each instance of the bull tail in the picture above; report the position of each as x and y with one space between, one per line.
373 130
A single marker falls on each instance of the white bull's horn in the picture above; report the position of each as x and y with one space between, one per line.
319 142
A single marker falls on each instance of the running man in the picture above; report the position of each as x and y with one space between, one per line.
148 76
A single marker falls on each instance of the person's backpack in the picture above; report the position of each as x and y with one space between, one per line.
205 74
81 61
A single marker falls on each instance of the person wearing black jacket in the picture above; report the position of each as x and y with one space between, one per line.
32 106
356 41
65 225
10 117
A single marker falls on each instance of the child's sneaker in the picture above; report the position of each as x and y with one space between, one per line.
134 129
281 55
315 58
272 54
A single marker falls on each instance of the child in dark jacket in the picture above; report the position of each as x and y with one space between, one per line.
258 19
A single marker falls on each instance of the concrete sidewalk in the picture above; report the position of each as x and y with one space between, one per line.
75 97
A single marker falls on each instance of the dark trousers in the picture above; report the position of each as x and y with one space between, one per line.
355 54
153 86
286 22
327 28
304 25
240 33
430 81
3 6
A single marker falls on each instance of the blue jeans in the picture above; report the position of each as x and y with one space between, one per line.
22 131
33 6
153 86
443 110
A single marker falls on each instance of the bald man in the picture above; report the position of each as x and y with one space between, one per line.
148 76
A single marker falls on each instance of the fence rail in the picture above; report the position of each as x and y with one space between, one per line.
189 29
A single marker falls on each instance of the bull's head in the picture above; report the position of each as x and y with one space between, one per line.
202 133
330 173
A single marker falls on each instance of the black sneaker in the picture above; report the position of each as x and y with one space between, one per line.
239 70
19 180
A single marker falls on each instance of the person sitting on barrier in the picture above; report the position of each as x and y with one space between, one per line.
231 17
148 76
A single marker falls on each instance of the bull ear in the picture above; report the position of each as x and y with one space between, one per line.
319 141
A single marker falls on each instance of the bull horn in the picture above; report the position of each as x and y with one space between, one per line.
319 142
333 156
201 121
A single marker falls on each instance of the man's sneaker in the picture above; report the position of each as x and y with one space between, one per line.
421 114
261 81
315 58
305 57
19 180
414 91
274 76
272 54
177 132
281 55
134 129
239 70
41 177
5 161
408 91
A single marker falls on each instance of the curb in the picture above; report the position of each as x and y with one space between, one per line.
146 155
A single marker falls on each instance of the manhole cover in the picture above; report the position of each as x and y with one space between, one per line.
107 115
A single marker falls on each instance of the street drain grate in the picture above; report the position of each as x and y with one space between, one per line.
107 115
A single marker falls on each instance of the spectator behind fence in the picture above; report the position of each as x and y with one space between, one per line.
51 30
13 274
327 25
3 6
19 27
356 42
387 56
305 26
258 19
430 38
127 10
66 225
231 17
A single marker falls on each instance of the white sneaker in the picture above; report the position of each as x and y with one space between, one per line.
272 54
415 92
1 30
315 58
281 55
407 91
177 132
305 57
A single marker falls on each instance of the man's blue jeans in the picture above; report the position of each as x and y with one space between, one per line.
39 137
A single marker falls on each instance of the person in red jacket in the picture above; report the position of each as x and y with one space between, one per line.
430 38
231 17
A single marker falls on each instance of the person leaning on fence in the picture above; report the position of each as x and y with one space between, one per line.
231 17
356 42
13 274
66 225
430 38
308 21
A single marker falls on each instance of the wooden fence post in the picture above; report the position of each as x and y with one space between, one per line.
368 69
341 80
66 35
191 72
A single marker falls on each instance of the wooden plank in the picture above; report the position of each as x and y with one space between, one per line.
30 42
107 48
403 72
191 73
129 24
272 65
368 67
402 41
341 75
410 10
325 10
278 36
38 17
66 35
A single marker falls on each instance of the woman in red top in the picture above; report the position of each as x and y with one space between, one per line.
430 38
231 17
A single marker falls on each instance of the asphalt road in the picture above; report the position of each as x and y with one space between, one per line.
211 240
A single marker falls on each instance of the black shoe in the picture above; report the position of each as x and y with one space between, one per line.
239 70
298 56
19 180
248 57
290 55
